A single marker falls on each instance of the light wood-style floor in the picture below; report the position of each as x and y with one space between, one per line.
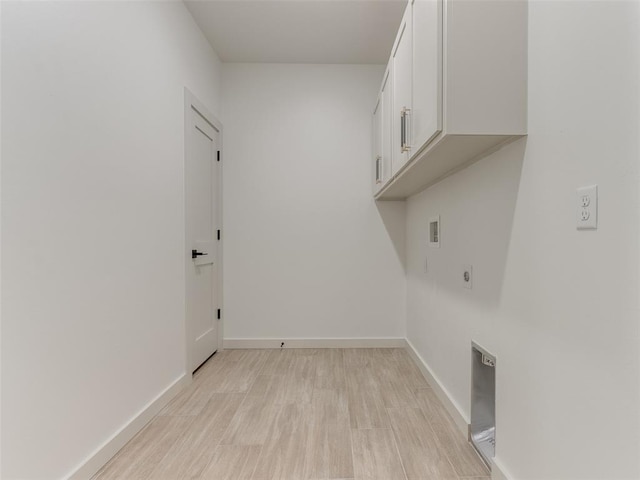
301 414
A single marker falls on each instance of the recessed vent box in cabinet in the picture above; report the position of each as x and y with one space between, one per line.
483 402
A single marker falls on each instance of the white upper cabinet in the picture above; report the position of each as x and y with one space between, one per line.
377 146
459 73
401 69
382 135
426 113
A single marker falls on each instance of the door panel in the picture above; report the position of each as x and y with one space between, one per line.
427 71
382 133
402 78
377 146
202 222
387 120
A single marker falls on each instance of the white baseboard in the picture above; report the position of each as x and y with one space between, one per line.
232 343
462 422
104 453
498 471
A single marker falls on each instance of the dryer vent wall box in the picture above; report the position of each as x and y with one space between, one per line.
483 402
434 232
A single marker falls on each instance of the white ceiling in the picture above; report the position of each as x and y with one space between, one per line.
299 31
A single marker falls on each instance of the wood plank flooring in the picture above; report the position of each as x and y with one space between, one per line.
301 414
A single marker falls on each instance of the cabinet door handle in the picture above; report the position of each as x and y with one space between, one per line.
404 143
378 169
402 130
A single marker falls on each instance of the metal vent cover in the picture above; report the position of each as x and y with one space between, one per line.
483 402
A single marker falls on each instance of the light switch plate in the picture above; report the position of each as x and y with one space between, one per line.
587 208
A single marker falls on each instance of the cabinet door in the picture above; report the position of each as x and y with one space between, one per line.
377 146
387 112
426 112
402 60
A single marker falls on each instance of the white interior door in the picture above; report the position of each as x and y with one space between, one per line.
202 202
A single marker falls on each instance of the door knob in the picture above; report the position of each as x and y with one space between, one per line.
196 253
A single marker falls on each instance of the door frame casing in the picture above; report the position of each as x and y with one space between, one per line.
191 102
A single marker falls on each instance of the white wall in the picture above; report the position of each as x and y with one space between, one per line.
306 252
92 221
0 241
559 307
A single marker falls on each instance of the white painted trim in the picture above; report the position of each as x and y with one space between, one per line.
498 471
452 407
232 343
106 451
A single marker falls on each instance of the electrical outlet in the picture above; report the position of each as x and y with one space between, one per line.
585 200
587 211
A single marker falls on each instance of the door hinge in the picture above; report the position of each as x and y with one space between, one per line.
218 314
218 234
218 155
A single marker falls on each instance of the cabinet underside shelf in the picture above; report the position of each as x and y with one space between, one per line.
441 158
